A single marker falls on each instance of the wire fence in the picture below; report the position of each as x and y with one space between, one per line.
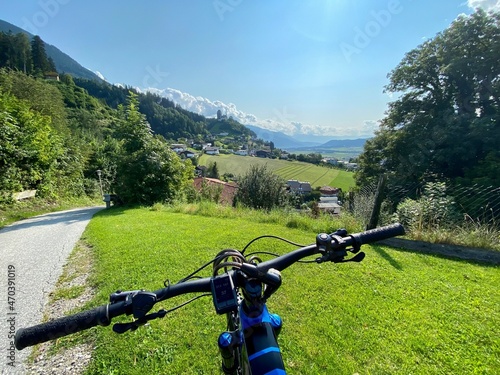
434 203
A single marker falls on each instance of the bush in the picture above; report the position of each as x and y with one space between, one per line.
434 209
261 189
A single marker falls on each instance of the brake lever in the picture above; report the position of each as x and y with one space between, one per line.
137 302
132 326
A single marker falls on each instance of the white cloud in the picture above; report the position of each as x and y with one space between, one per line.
493 5
282 121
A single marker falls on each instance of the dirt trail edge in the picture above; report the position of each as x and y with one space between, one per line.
32 254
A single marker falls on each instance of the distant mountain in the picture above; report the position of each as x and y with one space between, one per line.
64 63
305 141
279 139
344 143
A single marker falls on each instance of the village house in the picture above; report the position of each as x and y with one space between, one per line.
178 147
329 204
263 154
187 154
299 187
212 151
241 152
329 201
52 76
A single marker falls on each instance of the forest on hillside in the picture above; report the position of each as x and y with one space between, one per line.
56 131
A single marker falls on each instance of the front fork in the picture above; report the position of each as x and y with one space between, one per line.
268 327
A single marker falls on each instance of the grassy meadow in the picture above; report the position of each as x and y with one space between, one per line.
396 312
316 175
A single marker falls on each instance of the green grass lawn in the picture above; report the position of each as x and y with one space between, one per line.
317 175
397 312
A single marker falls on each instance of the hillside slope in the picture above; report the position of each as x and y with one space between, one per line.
290 170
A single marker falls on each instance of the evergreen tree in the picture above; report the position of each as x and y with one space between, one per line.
23 53
39 56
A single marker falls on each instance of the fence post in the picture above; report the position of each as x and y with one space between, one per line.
350 201
379 197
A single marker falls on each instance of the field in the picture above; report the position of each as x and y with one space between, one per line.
397 312
290 170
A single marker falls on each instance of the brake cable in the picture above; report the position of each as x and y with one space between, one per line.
132 326
270 236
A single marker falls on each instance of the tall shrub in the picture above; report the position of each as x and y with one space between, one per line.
261 189
147 170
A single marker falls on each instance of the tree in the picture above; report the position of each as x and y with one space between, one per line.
259 188
213 170
15 52
29 148
23 53
147 170
447 119
39 56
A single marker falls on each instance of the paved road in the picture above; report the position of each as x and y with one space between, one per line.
32 253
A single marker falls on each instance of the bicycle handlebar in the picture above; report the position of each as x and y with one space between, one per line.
62 327
103 315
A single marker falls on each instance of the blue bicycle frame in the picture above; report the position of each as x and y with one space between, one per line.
251 346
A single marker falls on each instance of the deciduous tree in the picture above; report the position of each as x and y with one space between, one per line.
446 121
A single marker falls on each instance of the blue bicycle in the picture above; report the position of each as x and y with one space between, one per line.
240 285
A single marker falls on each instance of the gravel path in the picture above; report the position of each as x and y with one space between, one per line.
32 254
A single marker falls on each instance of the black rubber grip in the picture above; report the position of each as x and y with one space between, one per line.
61 327
378 234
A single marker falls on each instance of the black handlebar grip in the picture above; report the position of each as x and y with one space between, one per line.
61 327
378 234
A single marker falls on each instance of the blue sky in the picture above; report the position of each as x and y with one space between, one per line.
298 66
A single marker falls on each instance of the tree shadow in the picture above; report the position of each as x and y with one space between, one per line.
384 254
66 217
